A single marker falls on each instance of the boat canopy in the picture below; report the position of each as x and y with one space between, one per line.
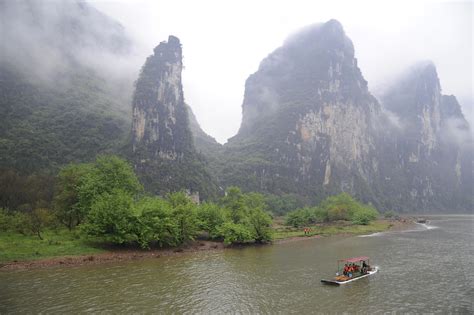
355 259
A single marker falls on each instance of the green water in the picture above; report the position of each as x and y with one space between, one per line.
426 270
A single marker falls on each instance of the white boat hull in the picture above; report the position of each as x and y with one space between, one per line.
335 282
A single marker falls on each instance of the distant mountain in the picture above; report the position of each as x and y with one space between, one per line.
61 101
204 143
163 146
426 153
311 127
309 121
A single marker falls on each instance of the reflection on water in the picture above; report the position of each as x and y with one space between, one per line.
423 270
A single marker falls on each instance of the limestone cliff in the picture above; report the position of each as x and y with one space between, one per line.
308 119
426 155
162 143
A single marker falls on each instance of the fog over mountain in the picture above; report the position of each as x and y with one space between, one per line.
376 108
225 41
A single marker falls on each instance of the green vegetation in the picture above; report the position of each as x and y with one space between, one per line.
331 229
104 203
61 242
341 207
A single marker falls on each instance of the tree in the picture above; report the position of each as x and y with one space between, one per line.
80 185
112 219
211 217
235 233
39 219
258 219
108 173
66 200
156 223
234 202
185 216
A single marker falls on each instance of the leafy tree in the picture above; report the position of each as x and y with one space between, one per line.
156 223
234 202
108 173
338 207
80 185
112 219
185 216
258 219
235 233
364 215
66 200
211 217
39 219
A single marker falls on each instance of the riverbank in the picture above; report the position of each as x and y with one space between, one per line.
71 251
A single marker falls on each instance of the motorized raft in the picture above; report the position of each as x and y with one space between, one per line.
352 269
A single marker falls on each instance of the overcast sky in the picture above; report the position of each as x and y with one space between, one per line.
224 42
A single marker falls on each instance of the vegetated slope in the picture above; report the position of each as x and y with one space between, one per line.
59 101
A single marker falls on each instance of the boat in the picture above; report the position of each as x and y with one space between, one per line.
362 272
421 220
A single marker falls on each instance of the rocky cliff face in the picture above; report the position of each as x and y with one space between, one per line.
308 118
162 143
310 126
427 163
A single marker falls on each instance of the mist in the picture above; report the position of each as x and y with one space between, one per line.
49 42
224 42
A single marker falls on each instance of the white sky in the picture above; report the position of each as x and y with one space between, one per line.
224 42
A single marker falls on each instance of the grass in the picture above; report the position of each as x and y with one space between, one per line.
14 246
57 243
281 232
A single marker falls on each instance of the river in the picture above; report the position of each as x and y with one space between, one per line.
428 269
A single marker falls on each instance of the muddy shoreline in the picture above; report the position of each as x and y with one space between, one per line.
118 255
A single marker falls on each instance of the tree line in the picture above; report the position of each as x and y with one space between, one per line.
334 208
105 201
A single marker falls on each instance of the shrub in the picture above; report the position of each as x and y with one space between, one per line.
4 220
235 233
156 223
364 215
111 218
211 217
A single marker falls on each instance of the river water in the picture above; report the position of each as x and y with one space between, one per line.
429 269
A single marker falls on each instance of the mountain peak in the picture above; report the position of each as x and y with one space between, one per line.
169 50
329 35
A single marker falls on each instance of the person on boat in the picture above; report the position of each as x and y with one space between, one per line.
364 267
346 270
356 267
350 270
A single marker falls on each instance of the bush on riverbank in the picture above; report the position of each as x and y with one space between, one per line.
334 208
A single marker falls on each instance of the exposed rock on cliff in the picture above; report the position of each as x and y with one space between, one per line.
162 143
427 155
308 120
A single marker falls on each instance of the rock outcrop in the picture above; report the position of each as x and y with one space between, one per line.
162 143
308 119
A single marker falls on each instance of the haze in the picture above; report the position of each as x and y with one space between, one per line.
224 42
